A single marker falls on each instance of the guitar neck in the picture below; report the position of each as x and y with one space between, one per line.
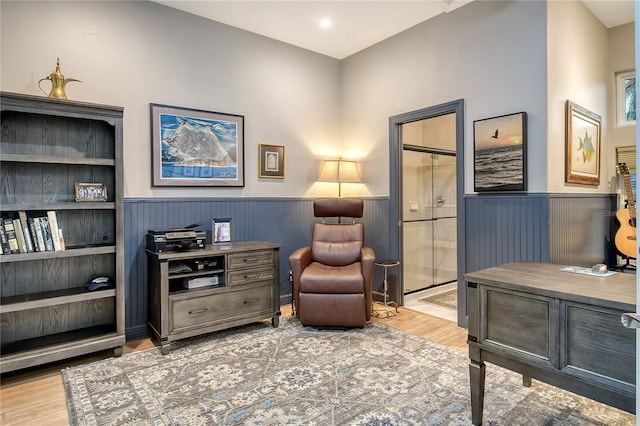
631 205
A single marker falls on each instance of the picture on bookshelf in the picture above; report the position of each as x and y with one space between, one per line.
91 192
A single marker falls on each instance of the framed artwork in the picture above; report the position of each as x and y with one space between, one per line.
90 192
271 161
582 145
500 153
192 147
221 230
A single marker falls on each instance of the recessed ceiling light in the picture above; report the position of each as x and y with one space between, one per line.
325 23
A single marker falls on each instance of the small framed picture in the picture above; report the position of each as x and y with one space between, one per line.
221 230
271 161
500 153
582 145
91 192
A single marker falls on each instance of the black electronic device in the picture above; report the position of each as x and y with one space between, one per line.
160 241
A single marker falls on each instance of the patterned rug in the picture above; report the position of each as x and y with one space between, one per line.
258 375
448 299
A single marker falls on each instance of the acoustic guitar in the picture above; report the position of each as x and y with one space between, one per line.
625 239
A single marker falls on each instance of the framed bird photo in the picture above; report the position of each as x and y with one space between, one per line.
582 130
500 153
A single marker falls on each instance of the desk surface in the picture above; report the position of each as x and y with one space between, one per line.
616 291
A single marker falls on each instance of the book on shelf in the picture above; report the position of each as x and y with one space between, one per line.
37 231
22 244
61 238
53 225
10 230
4 244
26 230
46 233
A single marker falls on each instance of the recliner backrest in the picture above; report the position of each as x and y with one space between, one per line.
336 244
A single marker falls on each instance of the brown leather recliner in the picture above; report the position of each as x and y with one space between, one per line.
332 279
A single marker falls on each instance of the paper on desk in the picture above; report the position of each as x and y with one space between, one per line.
587 271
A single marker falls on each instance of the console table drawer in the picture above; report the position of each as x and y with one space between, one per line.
251 259
218 307
250 276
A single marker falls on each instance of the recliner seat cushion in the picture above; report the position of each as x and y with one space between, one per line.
319 278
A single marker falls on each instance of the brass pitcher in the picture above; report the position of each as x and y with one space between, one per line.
58 82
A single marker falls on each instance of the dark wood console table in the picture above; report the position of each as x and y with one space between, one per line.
224 285
558 327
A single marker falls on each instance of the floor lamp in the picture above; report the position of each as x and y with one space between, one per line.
340 171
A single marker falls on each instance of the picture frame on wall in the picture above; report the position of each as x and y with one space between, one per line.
192 147
500 153
271 161
582 138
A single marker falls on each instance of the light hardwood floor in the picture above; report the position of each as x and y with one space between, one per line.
36 396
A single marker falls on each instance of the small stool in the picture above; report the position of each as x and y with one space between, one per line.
386 312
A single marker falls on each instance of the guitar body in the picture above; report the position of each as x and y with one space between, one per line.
625 238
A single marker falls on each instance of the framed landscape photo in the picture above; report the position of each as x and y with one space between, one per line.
271 161
192 147
582 145
500 153
90 192
221 230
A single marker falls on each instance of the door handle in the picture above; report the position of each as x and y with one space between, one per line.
630 320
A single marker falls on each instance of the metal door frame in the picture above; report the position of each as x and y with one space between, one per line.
395 193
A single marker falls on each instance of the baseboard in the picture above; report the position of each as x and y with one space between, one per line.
137 333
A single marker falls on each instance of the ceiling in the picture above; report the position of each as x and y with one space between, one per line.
355 24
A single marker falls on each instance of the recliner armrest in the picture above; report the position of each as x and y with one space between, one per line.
368 262
299 259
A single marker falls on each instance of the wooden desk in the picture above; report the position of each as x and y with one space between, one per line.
559 327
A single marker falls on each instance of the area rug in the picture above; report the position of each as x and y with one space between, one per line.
447 299
294 375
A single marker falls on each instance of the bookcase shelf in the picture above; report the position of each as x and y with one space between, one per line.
30 352
60 206
47 146
16 158
69 252
25 302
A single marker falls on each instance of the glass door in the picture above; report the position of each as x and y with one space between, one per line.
429 203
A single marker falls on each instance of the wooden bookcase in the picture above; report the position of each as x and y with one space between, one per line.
46 146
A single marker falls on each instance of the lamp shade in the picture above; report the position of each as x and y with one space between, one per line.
341 171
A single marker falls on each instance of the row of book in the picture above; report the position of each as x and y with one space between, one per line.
24 234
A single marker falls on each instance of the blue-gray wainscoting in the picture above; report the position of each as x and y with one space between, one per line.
287 221
499 228
571 229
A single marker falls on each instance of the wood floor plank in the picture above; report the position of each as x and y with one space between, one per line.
36 396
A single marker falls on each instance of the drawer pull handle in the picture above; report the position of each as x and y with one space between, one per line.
198 311
246 302
250 259
251 276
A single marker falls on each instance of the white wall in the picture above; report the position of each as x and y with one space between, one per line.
491 53
578 71
621 58
135 53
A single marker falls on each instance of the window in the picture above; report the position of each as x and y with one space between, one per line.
626 98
